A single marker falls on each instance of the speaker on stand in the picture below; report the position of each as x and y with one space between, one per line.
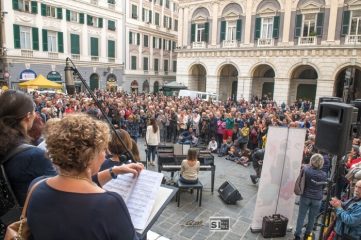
228 193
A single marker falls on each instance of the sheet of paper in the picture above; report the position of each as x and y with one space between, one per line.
122 185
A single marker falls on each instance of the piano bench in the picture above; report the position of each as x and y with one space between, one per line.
198 186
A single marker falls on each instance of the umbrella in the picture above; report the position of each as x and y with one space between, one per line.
41 82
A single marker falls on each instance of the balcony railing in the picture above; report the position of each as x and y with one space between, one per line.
229 43
111 60
94 58
199 45
75 56
264 42
304 41
353 39
27 53
53 55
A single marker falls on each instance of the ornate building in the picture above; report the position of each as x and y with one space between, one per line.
288 50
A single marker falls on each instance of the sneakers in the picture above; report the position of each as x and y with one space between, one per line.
254 179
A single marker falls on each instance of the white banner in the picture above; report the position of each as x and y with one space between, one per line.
281 165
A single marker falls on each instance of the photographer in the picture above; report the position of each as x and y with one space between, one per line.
257 159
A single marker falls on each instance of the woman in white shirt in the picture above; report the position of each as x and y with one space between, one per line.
152 139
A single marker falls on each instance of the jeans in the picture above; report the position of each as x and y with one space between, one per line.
186 181
151 151
313 208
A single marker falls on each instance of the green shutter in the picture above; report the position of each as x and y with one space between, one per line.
134 62
138 39
68 15
153 42
206 32
43 9
111 25
145 41
59 13
298 25
257 28
193 32
75 44
45 40
130 37
94 50
35 32
150 16
111 48
164 44
16 36
276 27
60 42
145 63
16 5
157 19
223 30
319 26
81 18
174 45
345 22
169 45
160 43
134 12
170 23
100 22
143 14
161 2
34 7
156 67
239 30
89 20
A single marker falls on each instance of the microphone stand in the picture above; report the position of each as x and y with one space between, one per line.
128 153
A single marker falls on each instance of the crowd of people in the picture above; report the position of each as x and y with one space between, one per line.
76 143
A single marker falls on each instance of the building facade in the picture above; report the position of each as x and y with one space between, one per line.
287 50
39 35
150 40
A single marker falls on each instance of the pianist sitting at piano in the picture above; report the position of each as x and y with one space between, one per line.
188 137
190 168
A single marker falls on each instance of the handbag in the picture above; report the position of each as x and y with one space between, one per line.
300 183
20 230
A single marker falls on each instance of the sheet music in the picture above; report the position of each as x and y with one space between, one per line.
122 185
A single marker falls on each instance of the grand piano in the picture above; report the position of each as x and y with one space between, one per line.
169 161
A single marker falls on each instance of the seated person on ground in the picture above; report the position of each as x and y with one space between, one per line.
212 145
190 168
225 147
186 137
233 154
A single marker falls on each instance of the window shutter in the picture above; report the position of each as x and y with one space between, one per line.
67 13
298 25
35 32
134 62
81 18
170 23
160 43
276 27
157 19
161 2
138 39
111 25
145 40
170 45
100 22
130 38
89 20
111 48
59 13
75 43
345 22
145 63
319 26
206 32
60 42
223 30
134 12
156 67
239 30
16 6
34 7
94 51
153 42
164 21
174 44
143 14
164 44
45 40
150 16
257 28
43 9
16 36
193 32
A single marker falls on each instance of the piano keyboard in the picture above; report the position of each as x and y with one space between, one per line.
165 167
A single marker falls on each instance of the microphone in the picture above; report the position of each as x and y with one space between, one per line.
69 80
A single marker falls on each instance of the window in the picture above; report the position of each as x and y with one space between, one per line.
94 47
73 16
111 49
175 7
74 44
175 25
231 31
24 5
145 64
355 25
50 11
166 22
111 25
156 19
267 28
134 38
134 63
145 41
156 42
94 21
167 4
147 15
200 37
165 65
156 64
25 37
174 66
52 42
309 25
134 12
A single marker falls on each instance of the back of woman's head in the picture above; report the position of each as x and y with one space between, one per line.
74 141
153 122
116 147
317 161
14 107
192 154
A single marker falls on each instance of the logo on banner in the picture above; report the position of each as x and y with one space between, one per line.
219 223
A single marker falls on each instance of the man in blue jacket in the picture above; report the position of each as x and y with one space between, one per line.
348 222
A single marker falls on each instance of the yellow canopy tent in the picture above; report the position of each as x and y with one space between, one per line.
41 82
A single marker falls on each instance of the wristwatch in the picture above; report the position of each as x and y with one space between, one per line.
112 174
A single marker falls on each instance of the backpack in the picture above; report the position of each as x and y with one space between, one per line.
9 205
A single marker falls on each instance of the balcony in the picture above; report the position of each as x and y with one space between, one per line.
307 41
198 45
94 58
111 60
27 53
229 43
53 55
353 39
75 57
265 42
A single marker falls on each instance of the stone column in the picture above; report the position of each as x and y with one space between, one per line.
244 88
324 88
332 21
180 27
281 90
248 25
185 26
214 24
287 21
212 85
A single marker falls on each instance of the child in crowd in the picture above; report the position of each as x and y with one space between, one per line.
190 168
225 147
212 145
233 154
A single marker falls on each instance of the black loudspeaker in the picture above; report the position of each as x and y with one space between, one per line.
335 127
328 99
229 193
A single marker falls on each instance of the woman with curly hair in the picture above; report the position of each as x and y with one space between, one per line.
70 205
